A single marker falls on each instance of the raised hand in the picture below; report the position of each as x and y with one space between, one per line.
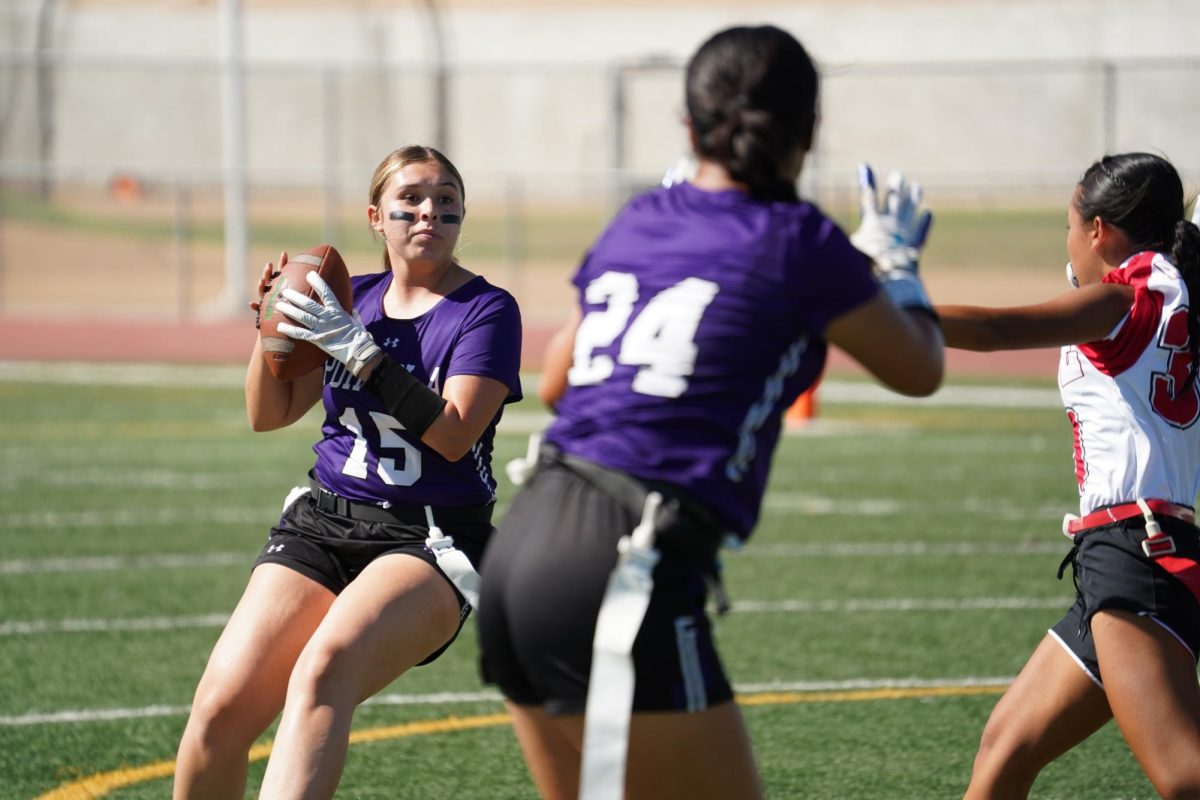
327 325
892 235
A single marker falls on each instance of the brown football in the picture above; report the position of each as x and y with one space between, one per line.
288 358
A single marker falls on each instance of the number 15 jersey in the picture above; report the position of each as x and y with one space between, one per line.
1134 423
365 454
703 319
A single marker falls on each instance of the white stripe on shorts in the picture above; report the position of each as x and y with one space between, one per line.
689 664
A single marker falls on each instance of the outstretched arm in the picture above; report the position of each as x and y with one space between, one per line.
1081 315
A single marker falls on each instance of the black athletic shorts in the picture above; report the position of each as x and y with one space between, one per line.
543 582
332 549
1112 572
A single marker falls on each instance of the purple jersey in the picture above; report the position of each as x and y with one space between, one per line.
365 454
703 320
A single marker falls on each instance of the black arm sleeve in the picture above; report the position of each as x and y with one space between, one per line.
412 403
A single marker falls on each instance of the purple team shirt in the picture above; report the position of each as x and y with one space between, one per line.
704 319
365 454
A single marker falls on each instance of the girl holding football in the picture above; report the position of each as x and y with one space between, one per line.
356 584
705 309
1130 337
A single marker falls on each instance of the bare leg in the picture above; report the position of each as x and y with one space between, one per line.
397 612
671 754
708 752
1052 706
552 750
1151 684
243 686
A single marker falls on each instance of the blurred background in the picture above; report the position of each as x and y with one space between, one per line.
153 155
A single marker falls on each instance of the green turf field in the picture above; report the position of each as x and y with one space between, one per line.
903 571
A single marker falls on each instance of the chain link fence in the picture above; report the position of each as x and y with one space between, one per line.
119 163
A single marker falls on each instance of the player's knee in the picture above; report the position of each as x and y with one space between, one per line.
1005 760
323 674
218 722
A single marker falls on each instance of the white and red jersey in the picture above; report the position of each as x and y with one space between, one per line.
1135 425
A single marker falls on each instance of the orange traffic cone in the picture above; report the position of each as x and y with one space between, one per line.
801 412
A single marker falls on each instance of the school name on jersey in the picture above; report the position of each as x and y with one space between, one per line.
338 377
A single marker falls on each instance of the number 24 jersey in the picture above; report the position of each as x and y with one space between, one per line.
703 319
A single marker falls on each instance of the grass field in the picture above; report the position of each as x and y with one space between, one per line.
903 570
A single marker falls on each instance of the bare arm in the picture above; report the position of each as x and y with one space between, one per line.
471 404
271 403
557 361
903 349
1080 315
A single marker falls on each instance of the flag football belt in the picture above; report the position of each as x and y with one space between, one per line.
333 503
684 527
669 522
1124 511
1156 542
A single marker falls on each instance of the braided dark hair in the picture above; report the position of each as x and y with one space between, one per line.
1142 194
752 100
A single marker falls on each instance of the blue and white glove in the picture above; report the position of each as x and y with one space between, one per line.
892 236
327 325
681 171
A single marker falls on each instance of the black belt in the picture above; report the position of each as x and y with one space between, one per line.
332 503
686 528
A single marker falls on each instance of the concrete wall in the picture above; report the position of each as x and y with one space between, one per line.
973 93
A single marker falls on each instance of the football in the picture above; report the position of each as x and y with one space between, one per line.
288 358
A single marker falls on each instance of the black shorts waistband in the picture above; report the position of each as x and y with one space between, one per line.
333 503
686 527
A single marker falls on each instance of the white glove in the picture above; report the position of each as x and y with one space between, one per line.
892 235
327 325
681 171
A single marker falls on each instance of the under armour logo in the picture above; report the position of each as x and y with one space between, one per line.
391 341
274 548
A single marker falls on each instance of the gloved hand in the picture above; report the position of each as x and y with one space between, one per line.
892 235
327 325
681 171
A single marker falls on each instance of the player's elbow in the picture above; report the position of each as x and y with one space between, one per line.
448 442
922 380
455 452
261 425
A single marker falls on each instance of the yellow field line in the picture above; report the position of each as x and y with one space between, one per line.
101 784
857 695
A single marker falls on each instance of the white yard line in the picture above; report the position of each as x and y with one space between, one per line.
871 605
1051 546
70 521
37 626
234 558
76 716
851 605
779 502
155 561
